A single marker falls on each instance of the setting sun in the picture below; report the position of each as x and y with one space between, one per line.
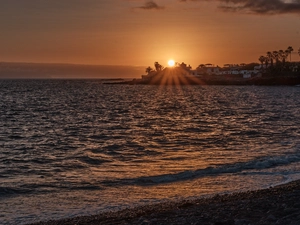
171 63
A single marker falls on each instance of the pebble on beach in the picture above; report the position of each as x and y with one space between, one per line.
278 205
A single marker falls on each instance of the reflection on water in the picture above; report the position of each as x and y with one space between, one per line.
78 147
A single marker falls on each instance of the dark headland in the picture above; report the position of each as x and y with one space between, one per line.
178 76
281 73
276 205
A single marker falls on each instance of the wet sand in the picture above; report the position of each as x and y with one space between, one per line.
277 205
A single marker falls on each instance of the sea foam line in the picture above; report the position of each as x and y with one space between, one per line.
255 164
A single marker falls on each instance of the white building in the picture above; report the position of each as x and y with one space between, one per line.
213 70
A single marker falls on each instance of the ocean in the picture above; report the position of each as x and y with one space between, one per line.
79 147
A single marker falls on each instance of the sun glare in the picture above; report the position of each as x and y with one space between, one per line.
171 63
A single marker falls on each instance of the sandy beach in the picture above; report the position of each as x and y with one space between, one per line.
275 205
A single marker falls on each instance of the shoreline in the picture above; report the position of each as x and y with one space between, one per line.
216 80
274 205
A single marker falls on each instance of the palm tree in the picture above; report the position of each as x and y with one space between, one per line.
262 59
270 58
149 70
275 55
281 55
285 55
158 67
290 50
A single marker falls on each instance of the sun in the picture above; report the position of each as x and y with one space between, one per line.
171 63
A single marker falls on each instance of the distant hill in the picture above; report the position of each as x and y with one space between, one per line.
11 70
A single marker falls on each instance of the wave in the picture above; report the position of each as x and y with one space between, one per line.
26 189
93 160
256 164
8 191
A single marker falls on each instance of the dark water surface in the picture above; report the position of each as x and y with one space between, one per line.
77 147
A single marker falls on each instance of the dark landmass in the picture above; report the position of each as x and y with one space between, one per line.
178 76
11 70
213 80
278 205
112 80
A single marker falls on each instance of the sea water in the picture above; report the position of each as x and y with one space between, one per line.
79 147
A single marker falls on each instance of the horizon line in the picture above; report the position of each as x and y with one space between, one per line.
72 64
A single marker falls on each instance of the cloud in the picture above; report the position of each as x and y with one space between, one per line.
149 5
258 6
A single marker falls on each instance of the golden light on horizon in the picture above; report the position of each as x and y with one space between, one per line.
171 63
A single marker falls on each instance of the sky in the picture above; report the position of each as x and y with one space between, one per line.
140 32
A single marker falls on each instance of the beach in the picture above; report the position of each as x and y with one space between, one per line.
274 205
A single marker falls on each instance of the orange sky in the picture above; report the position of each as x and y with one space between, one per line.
138 32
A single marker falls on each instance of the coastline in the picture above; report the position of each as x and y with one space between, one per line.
183 75
216 80
274 205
